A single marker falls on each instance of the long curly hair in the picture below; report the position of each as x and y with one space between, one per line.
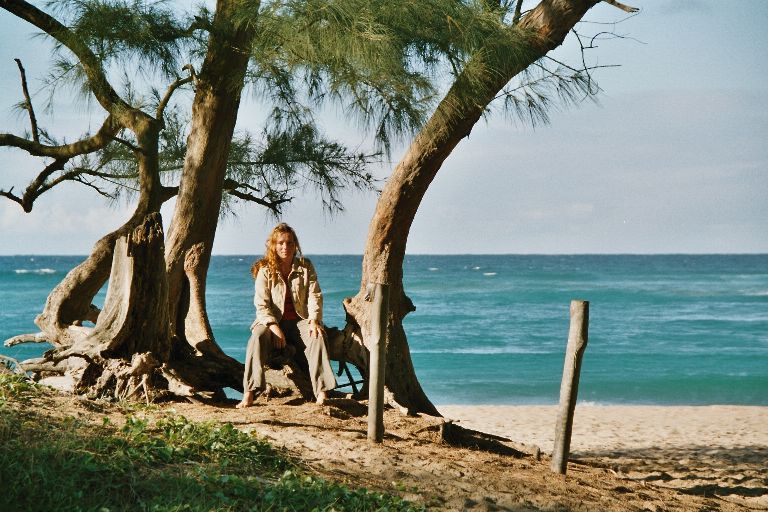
270 259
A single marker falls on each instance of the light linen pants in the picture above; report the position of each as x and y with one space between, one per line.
260 347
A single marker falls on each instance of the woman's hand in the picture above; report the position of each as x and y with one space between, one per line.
277 335
315 329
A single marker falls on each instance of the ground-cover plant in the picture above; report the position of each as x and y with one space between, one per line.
14 385
48 462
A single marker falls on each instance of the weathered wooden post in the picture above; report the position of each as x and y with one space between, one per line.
379 297
569 387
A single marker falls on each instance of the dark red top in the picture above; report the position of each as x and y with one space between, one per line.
289 311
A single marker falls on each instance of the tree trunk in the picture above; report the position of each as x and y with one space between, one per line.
135 314
129 349
131 339
541 30
193 226
70 303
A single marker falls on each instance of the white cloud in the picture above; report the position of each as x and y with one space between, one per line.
57 228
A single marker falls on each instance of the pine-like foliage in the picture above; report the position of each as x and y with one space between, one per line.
384 64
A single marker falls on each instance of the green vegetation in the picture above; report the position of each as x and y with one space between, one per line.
168 464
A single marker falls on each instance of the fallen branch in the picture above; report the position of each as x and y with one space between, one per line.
39 337
47 367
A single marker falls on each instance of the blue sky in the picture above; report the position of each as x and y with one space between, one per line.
673 159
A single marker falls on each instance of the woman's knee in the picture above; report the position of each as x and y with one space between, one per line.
304 332
260 341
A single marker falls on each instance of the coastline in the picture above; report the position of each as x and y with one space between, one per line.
709 449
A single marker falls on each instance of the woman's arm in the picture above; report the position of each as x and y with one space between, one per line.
314 296
265 308
262 299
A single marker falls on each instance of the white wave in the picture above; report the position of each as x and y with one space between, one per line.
761 293
35 271
489 273
432 269
755 316
590 403
476 268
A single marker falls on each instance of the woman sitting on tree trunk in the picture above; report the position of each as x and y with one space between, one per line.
289 313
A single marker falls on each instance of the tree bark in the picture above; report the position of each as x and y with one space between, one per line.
193 226
541 30
135 314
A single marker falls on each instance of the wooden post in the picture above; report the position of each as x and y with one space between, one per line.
378 294
569 387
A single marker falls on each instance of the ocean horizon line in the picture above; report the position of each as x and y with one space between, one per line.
634 254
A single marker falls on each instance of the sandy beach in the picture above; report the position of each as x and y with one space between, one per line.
719 449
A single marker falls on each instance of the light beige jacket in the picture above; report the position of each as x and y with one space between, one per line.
269 298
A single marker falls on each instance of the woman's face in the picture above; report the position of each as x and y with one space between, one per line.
285 247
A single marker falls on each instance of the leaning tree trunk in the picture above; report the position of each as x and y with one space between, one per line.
131 338
70 303
540 30
129 348
135 314
193 227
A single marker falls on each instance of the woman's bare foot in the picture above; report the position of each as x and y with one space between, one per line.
321 396
247 400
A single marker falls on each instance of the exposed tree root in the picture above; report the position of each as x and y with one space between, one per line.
43 366
39 337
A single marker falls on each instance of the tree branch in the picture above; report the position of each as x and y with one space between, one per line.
38 337
79 178
231 186
104 136
128 144
13 197
28 101
100 86
621 6
167 193
518 12
61 155
41 184
38 186
172 88
107 176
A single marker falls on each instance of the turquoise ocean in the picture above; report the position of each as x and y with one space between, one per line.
492 329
